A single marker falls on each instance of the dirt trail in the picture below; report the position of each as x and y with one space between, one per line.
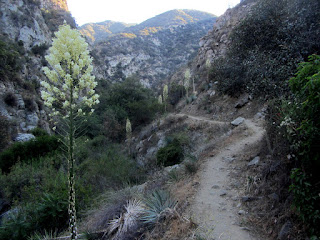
200 118
214 207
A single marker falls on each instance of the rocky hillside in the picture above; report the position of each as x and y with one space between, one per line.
153 49
26 30
96 32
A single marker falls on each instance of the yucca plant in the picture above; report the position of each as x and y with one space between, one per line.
159 205
127 220
46 236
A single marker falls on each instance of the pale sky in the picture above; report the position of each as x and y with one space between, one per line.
137 11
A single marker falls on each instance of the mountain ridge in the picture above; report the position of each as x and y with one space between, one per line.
172 18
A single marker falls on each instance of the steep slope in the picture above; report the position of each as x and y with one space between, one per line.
26 29
96 32
153 49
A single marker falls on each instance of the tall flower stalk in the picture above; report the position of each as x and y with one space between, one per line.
187 76
69 89
129 134
165 97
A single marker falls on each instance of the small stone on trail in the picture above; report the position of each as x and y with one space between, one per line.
254 161
228 159
248 199
223 193
237 121
241 212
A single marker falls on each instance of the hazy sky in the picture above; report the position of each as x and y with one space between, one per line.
136 11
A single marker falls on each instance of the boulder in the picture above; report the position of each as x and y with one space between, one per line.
237 121
23 137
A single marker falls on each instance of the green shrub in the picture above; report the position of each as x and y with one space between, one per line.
301 123
176 92
9 59
10 99
27 150
29 102
306 199
16 227
50 213
266 47
191 165
171 154
109 170
38 132
4 132
127 99
40 49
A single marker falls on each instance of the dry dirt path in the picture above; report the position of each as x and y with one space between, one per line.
214 208
200 118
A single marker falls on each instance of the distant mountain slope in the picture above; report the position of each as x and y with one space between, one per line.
151 54
96 32
102 30
173 18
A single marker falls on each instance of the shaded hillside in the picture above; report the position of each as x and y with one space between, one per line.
100 31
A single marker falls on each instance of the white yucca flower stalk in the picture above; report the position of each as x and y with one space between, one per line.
128 128
187 76
127 220
160 99
165 96
129 134
208 65
68 88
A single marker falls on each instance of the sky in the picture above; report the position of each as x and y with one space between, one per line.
137 11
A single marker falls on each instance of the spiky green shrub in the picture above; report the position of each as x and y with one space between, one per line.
159 205
47 235
128 220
